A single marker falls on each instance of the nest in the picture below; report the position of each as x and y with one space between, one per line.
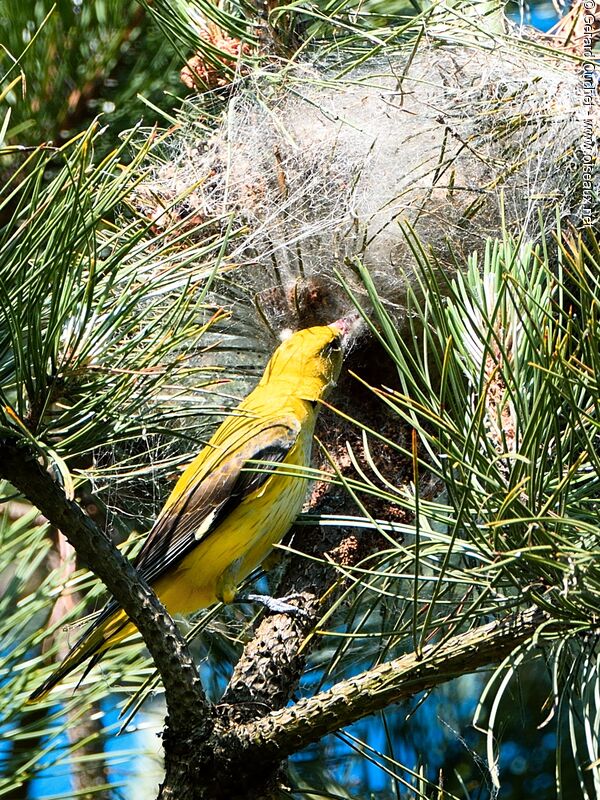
320 165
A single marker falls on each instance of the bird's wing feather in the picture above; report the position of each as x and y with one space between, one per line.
207 499
201 507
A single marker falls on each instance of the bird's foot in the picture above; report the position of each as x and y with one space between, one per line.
279 605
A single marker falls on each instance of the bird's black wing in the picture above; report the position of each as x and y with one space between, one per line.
204 503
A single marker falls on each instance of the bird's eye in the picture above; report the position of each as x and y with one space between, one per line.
334 346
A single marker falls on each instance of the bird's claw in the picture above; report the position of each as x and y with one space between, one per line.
279 605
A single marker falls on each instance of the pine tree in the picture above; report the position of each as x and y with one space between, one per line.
146 271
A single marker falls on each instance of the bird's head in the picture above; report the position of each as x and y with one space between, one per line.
309 361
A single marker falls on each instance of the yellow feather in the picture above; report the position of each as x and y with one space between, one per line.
225 513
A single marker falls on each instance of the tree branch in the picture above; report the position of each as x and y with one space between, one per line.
288 730
186 704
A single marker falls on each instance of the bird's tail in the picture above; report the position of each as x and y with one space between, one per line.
111 627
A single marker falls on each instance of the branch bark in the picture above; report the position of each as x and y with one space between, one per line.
288 730
243 761
187 707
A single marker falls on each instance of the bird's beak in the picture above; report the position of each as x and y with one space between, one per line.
349 326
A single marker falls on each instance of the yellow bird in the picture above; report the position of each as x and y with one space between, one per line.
233 502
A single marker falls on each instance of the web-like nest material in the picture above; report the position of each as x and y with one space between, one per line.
317 170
